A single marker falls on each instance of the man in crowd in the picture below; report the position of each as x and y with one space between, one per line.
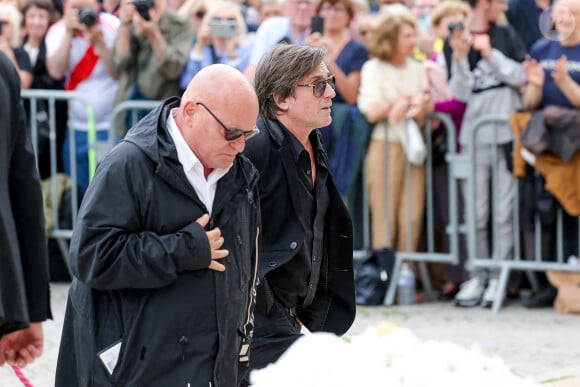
485 68
24 278
164 251
306 265
291 28
78 47
150 52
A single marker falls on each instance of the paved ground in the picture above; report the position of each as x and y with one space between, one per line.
537 343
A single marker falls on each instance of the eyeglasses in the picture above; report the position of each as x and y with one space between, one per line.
305 2
232 134
221 19
319 87
329 8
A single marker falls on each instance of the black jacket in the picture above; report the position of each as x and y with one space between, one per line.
333 308
140 262
24 287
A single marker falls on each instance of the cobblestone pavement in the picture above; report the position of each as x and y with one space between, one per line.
538 343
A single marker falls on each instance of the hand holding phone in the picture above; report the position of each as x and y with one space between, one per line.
317 25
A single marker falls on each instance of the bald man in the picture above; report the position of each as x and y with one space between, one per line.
164 250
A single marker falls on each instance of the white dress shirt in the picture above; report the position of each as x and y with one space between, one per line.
205 188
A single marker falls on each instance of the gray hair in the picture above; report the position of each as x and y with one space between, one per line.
280 70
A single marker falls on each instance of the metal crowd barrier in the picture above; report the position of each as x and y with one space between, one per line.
461 172
97 149
516 261
452 229
61 234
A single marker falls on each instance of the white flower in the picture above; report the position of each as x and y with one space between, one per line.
385 355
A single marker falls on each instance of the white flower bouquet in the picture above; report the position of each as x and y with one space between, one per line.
385 355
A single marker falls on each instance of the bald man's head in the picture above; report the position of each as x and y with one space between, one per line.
218 101
219 82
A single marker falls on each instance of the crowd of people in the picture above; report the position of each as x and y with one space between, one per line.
175 210
151 50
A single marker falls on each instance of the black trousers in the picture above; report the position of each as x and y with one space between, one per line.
273 334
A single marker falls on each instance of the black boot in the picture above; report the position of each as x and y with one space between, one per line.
543 298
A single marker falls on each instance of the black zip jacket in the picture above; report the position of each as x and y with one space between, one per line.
140 264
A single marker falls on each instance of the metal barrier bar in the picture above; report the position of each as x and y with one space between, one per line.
450 257
60 234
51 97
515 261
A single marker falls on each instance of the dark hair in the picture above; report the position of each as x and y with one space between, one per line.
47 5
280 70
348 4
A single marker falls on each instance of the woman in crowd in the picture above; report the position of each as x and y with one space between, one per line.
10 20
38 16
392 92
448 15
220 39
345 57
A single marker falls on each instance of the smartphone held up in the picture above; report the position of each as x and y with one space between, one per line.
317 25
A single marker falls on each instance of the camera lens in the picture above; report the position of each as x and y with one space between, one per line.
143 7
88 16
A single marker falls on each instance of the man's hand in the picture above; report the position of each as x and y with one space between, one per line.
148 28
23 346
126 11
534 73
94 35
216 241
71 20
560 73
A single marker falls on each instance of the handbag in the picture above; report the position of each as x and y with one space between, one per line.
413 143
372 276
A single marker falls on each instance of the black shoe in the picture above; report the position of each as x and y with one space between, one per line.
542 299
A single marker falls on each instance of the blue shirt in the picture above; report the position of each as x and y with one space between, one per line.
351 58
271 32
547 52
195 64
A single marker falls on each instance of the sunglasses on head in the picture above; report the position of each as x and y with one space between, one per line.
232 134
318 87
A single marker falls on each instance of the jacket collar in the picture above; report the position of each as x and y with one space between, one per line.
151 135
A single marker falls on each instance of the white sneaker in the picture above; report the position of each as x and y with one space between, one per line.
470 293
490 292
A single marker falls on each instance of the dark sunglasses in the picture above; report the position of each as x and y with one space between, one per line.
319 87
232 134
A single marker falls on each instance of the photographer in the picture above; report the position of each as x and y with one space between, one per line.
484 61
78 47
220 40
150 52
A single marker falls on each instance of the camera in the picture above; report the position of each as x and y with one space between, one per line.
88 16
455 26
223 27
143 7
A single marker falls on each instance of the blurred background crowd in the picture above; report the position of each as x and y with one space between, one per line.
393 62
